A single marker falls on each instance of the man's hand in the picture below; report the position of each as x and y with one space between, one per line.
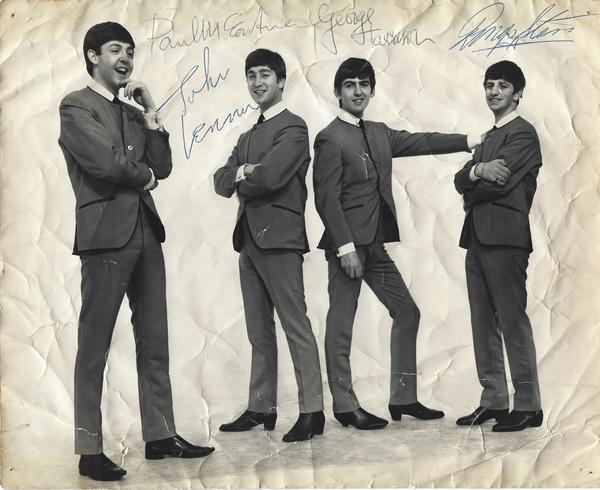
351 265
140 93
249 168
493 171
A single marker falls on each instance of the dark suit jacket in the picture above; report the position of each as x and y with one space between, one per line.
108 169
499 215
273 197
349 187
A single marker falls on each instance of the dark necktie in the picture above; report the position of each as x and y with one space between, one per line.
121 119
261 119
361 125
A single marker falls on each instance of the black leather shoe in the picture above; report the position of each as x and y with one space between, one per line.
481 415
307 425
361 419
99 467
414 410
177 447
519 420
250 419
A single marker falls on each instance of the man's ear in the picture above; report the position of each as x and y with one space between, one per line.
92 56
517 95
281 84
337 93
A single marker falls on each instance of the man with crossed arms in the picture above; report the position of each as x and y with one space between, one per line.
267 170
498 186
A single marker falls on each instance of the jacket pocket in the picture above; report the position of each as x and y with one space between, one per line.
353 207
279 206
506 206
106 199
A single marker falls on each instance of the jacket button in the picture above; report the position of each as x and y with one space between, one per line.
129 147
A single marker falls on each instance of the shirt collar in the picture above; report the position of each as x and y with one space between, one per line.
101 90
506 119
348 118
274 110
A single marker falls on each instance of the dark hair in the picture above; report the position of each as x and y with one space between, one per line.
508 71
354 68
99 34
265 57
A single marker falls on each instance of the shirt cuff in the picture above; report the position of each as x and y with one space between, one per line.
153 120
473 140
151 182
472 175
346 249
239 175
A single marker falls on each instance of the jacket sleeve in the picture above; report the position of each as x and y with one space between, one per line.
158 153
406 144
327 184
521 152
279 165
224 178
462 181
87 140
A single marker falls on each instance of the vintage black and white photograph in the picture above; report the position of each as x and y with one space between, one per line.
317 244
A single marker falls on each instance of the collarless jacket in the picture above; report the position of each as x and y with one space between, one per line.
499 215
350 184
109 153
273 197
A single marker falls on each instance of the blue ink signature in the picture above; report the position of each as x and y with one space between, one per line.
208 82
202 130
188 95
543 29
364 30
235 25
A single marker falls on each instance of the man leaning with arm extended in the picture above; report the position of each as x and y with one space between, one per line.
353 194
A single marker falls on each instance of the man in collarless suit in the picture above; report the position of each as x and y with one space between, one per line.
498 185
267 169
115 155
353 195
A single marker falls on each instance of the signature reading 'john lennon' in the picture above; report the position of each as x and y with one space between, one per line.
482 32
187 93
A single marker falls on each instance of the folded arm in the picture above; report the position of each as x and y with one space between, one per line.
158 153
279 165
89 142
521 155
225 178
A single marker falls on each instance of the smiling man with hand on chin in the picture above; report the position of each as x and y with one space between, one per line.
115 155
